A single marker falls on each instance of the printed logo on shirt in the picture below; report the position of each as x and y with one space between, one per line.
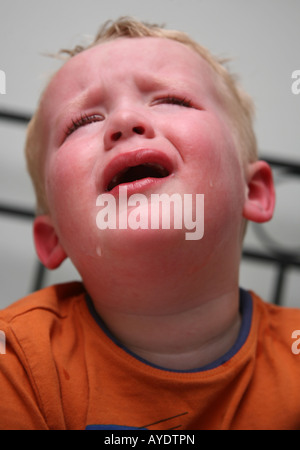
111 427
2 343
173 422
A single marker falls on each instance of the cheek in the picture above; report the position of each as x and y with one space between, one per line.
213 167
208 150
224 200
69 170
70 191
60 182
197 137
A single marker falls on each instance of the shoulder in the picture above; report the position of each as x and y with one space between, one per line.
280 319
53 299
276 329
33 317
39 336
42 323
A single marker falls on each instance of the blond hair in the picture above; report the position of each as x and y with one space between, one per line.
237 102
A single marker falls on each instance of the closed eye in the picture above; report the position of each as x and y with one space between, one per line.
82 120
175 101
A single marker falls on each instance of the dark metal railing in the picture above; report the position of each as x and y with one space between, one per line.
283 260
16 117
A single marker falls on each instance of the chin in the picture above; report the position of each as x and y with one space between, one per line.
142 241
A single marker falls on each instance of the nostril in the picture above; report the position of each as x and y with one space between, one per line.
116 136
139 130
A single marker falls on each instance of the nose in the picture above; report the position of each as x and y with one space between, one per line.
124 124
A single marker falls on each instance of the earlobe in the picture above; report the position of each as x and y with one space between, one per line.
48 247
260 197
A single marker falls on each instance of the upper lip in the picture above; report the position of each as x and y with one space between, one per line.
121 163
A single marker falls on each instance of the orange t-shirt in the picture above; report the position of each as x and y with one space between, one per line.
63 370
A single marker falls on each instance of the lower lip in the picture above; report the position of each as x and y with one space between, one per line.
138 186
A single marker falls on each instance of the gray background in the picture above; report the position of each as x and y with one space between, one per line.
262 37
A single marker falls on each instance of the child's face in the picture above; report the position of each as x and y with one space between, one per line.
138 100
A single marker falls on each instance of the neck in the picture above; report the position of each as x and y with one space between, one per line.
178 308
187 340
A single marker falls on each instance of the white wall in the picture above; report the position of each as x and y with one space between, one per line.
262 37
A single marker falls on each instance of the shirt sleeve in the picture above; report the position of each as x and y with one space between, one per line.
20 405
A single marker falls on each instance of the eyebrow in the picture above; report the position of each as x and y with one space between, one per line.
145 83
153 82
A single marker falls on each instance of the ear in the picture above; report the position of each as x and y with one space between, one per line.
260 197
48 247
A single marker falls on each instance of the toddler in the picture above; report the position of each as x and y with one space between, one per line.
158 335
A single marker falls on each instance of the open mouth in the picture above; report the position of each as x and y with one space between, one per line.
138 172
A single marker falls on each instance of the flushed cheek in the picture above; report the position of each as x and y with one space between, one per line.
217 154
215 170
224 204
204 166
199 139
70 192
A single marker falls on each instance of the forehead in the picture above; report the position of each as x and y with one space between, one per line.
142 60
